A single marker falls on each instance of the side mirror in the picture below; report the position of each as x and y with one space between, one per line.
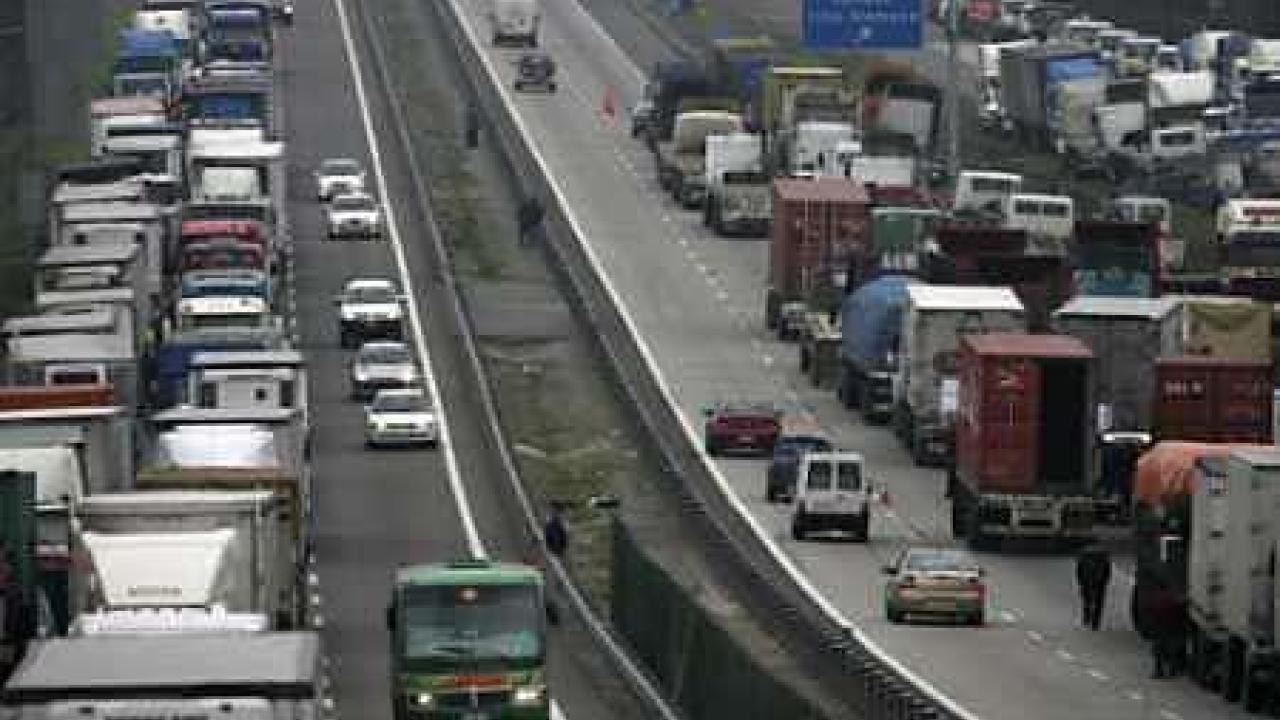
391 617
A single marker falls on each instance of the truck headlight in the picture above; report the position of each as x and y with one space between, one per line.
528 695
424 699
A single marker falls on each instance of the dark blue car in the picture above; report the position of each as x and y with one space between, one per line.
780 480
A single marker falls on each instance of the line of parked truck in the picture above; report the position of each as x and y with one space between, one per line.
154 483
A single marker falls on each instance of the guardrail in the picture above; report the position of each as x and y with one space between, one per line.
873 681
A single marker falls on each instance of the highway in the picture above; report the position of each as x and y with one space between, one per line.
697 300
379 510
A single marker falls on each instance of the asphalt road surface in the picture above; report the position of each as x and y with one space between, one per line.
376 510
697 301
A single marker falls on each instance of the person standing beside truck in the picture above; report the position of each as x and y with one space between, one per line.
1093 574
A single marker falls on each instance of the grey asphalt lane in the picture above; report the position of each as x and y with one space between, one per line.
697 302
378 509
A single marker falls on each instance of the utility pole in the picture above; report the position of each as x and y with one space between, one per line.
952 93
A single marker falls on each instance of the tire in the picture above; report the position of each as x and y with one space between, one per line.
770 495
977 619
712 447
894 616
861 530
977 539
959 525
772 305
551 87
798 529
805 360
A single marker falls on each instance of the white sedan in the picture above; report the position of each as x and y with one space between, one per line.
337 176
354 214
401 417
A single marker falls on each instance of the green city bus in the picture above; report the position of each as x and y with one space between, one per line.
468 642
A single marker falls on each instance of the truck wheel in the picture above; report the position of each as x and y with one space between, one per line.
959 522
1255 694
706 211
894 615
861 529
772 306
1233 683
804 359
798 529
712 448
978 540
845 392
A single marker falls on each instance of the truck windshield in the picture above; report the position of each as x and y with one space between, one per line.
1253 249
474 625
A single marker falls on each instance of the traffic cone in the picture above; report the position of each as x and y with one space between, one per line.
606 105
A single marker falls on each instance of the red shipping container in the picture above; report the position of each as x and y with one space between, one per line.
999 419
46 397
1212 399
818 226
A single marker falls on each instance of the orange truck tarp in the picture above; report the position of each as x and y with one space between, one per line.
1168 468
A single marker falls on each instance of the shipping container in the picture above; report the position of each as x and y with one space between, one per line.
21 397
1226 327
1024 437
1126 335
819 225
1209 399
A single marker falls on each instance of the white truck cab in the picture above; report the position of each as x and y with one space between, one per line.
1050 217
832 493
978 190
515 21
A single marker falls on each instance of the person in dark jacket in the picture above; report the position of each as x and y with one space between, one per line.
554 533
1169 636
1093 574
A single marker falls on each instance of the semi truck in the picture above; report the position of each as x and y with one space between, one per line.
1126 336
871 323
934 320
252 565
1049 92
681 162
1025 436
1226 327
1116 258
902 107
1232 593
233 674
1248 235
737 201
819 227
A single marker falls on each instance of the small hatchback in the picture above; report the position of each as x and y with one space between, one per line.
944 582
741 428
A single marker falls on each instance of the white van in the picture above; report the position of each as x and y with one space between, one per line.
1041 216
515 21
832 493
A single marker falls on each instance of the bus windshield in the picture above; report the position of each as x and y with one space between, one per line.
474 626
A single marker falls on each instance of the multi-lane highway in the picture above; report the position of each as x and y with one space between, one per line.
378 510
696 301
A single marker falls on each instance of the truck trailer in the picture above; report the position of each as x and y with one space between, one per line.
1025 435
871 326
926 394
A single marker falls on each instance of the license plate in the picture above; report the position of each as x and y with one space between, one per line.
746 439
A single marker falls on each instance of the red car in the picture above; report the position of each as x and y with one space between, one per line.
742 428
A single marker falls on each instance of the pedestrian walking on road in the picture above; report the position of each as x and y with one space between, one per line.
1093 573
554 533
1169 637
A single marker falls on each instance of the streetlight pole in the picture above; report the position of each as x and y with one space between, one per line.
952 95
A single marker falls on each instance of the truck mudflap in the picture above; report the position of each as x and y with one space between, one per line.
1036 516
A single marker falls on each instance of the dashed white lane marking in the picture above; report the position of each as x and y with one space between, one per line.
722 296
1170 715
1065 656
684 242
1009 616
1035 636
1099 675
702 268
1134 695
767 360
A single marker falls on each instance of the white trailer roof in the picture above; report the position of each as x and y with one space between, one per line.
1118 307
962 297
216 662
217 446
170 502
157 568
72 347
89 254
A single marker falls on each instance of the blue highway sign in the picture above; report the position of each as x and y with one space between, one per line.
863 24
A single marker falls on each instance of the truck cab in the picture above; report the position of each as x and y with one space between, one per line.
832 493
515 21
247 378
1048 217
982 190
